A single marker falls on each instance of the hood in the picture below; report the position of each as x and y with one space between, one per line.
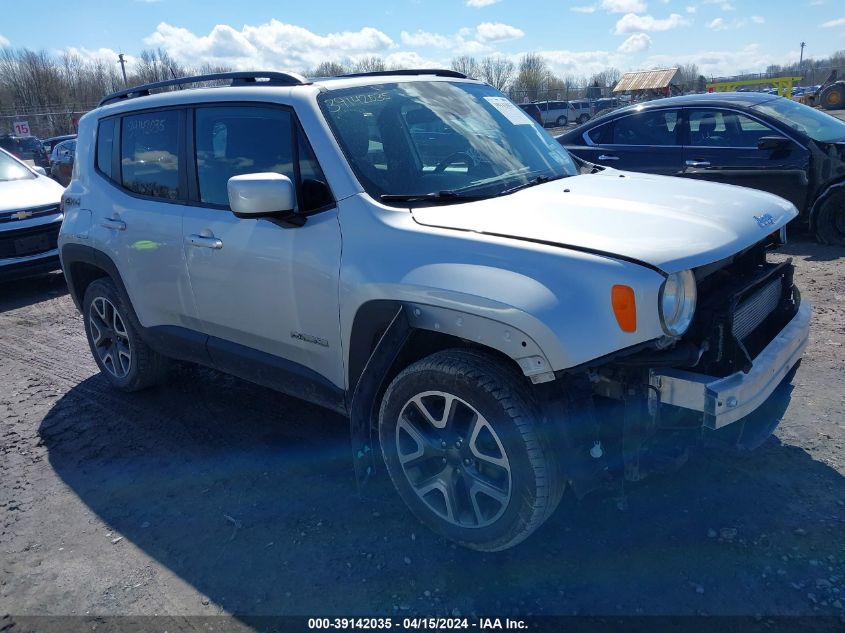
26 194
669 223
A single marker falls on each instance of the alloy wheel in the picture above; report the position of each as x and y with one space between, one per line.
110 338
453 459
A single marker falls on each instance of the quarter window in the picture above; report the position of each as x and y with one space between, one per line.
149 156
646 128
105 146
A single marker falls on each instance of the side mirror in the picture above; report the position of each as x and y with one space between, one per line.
771 143
39 170
261 195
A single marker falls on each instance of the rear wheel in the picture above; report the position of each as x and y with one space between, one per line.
467 451
833 97
583 118
830 220
124 359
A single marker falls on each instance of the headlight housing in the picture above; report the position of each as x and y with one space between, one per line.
678 297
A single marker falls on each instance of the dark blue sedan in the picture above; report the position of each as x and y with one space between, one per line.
749 139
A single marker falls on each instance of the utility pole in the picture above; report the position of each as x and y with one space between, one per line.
122 63
801 59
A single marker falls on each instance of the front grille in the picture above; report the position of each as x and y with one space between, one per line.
753 311
34 212
742 307
29 241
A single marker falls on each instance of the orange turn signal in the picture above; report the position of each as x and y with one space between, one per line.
624 307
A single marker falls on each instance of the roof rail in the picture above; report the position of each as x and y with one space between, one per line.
237 79
438 72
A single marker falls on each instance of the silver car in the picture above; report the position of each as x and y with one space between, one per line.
498 321
30 217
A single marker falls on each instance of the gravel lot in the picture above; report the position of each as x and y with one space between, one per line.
209 495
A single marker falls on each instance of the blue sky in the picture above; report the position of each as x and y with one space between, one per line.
577 38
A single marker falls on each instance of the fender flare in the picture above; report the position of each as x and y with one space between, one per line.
370 382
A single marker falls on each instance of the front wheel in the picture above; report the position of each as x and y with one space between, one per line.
830 220
562 121
466 450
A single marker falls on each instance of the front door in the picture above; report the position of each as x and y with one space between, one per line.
722 146
266 293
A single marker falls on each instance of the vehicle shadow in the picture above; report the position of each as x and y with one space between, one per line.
24 292
250 497
803 245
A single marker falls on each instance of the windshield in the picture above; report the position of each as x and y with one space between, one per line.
815 124
423 137
10 169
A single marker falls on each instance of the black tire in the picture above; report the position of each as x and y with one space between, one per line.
833 97
583 119
562 121
830 220
501 396
143 368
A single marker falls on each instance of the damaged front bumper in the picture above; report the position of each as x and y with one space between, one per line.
723 401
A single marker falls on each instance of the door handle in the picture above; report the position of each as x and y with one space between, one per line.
205 242
698 163
117 225
608 157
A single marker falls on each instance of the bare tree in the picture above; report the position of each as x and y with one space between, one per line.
532 77
369 65
496 71
328 69
466 65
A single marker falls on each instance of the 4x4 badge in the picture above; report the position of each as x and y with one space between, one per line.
765 220
307 338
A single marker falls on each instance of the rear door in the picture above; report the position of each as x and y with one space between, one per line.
646 141
721 146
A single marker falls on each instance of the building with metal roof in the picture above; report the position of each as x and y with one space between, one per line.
646 80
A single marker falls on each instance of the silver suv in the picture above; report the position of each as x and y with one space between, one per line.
497 320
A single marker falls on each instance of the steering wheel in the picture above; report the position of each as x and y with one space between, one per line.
454 158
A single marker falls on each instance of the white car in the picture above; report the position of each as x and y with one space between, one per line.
410 249
30 217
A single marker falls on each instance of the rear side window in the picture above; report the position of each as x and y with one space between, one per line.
601 135
646 128
105 146
149 155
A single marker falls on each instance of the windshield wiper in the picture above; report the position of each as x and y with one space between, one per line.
539 180
437 196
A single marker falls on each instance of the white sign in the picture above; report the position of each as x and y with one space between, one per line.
512 113
22 128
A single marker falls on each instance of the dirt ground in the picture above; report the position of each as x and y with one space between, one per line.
210 495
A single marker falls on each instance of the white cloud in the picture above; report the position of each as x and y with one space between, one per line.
832 23
4 42
724 5
691 9
481 3
717 25
272 45
748 59
758 19
467 41
497 32
104 55
565 62
631 23
584 9
624 6
637 43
